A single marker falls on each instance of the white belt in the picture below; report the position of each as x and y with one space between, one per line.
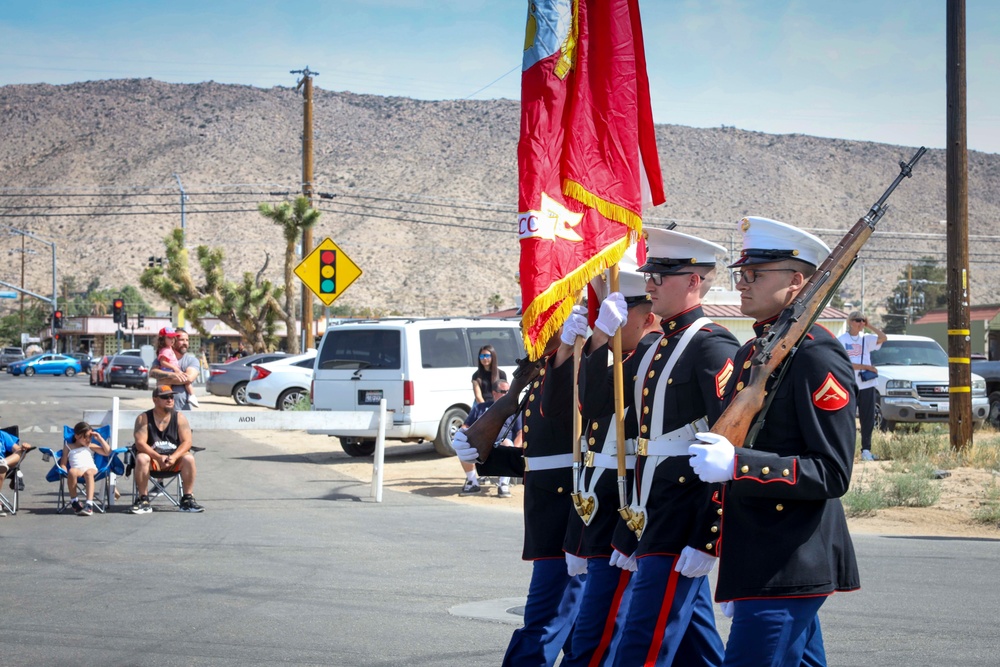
610 461
675 443
536 463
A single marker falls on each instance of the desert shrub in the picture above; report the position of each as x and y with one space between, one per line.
988 511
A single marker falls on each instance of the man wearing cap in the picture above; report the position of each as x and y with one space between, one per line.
859 346
546 463
785 545
163 443
674 389
190 367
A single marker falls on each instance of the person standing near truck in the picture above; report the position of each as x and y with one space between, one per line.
859 346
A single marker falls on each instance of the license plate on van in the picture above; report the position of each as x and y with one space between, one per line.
369 396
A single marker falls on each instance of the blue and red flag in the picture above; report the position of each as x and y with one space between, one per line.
587 159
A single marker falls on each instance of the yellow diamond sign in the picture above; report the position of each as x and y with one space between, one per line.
327 271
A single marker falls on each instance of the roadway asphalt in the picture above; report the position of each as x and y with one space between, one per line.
293 563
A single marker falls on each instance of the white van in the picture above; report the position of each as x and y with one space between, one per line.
422 367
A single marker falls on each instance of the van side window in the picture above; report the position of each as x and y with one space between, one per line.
506 341
443 348
361 349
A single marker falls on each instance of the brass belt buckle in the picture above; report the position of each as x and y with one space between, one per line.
589 459
640 446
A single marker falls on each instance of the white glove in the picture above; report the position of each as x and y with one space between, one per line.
466 453
618 559
575 565
614 312
575 325
727 608
713 462
693 563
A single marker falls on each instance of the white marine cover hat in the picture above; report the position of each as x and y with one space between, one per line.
631 283
766 240
669 251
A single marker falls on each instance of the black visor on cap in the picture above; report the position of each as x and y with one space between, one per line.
764 256
636 300
669 265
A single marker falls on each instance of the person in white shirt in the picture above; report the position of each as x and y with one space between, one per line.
78 459
859 346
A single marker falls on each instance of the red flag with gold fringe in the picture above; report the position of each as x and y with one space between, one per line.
587 157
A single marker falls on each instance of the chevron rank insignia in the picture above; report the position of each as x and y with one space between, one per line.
830 395
722 377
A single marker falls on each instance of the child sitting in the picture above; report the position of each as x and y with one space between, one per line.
78 459
168 360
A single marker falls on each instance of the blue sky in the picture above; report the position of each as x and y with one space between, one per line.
872 70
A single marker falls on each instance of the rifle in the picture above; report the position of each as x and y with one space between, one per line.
771 349
483 433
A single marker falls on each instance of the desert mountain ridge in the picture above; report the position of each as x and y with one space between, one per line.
422 195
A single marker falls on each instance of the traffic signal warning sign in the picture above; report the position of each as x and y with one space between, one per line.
327 271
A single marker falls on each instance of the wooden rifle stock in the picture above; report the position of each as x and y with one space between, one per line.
797 318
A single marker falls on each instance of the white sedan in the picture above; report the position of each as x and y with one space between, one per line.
282 384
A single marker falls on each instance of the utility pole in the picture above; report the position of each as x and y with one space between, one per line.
957 169
305 83
180 186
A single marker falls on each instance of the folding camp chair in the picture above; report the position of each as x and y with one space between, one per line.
14 478
162 483
108 469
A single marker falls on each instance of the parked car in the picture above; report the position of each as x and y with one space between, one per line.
97 370
45 364
913 383
9 355
126 370
230 379
422 368
84 360
990 372
282 384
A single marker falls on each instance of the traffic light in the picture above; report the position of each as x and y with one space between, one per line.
57 322
327 269
140 320
118 308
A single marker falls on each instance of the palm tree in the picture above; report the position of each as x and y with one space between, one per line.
293 218
98 305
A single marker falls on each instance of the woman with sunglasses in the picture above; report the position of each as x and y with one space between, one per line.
859 346
487 374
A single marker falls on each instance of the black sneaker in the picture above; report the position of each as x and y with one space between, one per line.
141 506
77 506
470 489
189 505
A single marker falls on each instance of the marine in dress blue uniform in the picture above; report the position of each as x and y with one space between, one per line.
671 384
546 465
606 592
785 544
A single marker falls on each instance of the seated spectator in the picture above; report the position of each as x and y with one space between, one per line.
512 438
12 450
163 443
78 460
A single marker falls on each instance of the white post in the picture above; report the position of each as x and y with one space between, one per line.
114 422
379 465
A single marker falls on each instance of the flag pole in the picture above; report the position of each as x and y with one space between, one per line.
619 388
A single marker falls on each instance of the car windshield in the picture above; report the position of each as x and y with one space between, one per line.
910 353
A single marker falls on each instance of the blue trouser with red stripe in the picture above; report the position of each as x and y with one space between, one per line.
776 633
670 619
602 612
549 614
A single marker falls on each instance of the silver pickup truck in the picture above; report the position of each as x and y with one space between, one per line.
913 383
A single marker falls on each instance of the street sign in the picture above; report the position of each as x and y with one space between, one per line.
327 271
8 295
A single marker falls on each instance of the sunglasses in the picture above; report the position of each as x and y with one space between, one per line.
657 278
166 398
750 275
485 355
859 319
